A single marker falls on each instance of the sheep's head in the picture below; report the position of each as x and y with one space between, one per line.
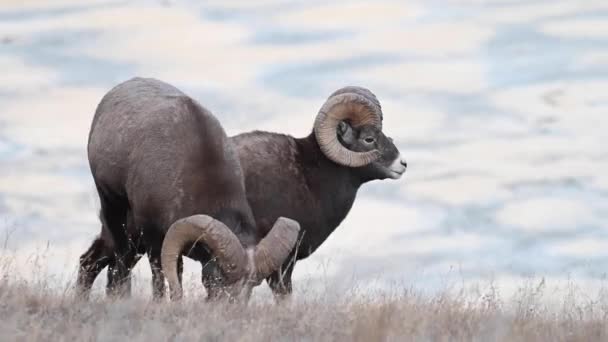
242 269
348 129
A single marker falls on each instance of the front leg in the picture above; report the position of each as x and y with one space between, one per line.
180 269
114 275
119 268
119 274
212 281
158 278
280 282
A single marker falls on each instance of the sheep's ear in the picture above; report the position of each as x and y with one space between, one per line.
345 132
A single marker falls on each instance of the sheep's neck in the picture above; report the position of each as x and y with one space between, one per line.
333 186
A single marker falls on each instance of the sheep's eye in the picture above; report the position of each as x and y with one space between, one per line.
369 140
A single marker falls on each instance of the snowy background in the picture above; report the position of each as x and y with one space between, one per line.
500 108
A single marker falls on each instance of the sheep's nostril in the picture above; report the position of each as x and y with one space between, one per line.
404 163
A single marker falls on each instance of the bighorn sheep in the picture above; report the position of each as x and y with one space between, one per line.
313 180
164 168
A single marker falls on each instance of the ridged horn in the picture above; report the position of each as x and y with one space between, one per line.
358 108
236 264
272 251
220 240
363 92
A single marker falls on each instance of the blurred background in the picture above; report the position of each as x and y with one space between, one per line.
499 107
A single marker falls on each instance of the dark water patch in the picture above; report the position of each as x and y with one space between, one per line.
368 268
524 266
480 219
463 110
543 186
61 153
79 173
477 218
41 232
232 109
444 266
535 260
56 49
6 96
456 174
21 228
247 13
567 188
44 13
582 14
25 159
510 3
521 56
387 190
465 106
438 11
10 150
432 143
258 14
586 266
470 107
530 239
306 79
282 36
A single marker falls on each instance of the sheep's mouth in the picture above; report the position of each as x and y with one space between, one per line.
396 174
397 168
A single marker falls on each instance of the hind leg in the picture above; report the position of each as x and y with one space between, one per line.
91 263
114 216
129 260
158 279
280 282
153 240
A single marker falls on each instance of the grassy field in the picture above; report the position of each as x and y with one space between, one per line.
37 311
38 305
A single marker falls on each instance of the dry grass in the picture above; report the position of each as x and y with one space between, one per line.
45 309
35 311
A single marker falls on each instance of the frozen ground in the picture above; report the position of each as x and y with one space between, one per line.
498 106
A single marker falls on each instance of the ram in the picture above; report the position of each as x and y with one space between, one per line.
163 166
313 180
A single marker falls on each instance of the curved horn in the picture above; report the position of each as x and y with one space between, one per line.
231 256
272 251
236 264
363 92
356 108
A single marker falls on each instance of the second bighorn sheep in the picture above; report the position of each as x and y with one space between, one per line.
165 170
313 180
